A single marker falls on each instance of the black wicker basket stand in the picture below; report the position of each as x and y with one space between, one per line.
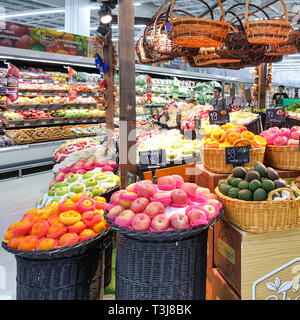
75 272
168 265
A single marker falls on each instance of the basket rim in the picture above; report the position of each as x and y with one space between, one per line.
287 147
58 253
163 236
225 23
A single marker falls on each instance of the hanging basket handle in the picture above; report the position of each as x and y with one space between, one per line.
239 140
247 13
281 189
209 8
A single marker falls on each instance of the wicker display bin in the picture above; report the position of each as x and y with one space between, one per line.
215 159
168 265
108 258
283 157
261 216
68 273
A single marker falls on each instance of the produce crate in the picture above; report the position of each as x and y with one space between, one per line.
255 126
221 289
73 272
258 266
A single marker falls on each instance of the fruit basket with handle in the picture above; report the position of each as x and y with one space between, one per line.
215 159
167 265
283 157
261 216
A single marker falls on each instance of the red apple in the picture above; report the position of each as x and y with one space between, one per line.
143 182
292 142
166 181
212 211
141 222
155 208
179 221
179 196
190 188
139 205
210 196
130 188
145 190
295 135
99 163
197 213
295 128
125 218
163 197
80 171
160 222
126 198
89 165
115 211
115 196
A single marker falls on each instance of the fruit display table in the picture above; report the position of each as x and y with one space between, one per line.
258 266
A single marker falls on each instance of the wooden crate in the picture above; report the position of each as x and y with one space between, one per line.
258 266
221 288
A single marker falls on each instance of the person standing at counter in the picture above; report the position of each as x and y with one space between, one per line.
218 102
279 96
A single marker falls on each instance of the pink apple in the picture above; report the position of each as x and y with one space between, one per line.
292 142
145 190
190 188
126 198
285 132
99 163
163 197
107 168
210 196
179 180
112 164
65 170
179 196
142 182
295 135
154 209
166 182
60 176
141 222
214 202
203 190
197 213
295 128
274 129
211 210
80 171
125 218
280 141
139 205
115 211
160 222
115 196
179 221
89 165
130 187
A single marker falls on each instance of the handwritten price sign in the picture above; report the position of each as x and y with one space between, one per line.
219 117
276 115
237 155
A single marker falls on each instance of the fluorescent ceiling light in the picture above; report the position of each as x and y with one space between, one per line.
32 13
115 26
136 4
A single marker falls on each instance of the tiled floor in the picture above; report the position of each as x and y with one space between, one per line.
16 197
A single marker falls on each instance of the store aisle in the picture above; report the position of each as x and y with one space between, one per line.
16 197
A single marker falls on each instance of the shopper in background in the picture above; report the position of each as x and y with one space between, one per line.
279 96
218 102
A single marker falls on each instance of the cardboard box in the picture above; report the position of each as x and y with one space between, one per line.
221 288
258 266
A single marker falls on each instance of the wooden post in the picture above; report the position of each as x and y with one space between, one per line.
127 89
262 86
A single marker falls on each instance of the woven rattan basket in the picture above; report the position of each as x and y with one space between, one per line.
283 157
197 32
261 216
215 159
289 47
208 56
272 31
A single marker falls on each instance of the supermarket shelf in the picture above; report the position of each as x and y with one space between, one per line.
49 106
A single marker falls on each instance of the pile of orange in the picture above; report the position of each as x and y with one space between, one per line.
226 135
58 224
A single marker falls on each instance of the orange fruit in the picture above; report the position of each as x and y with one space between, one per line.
53 219
44 214
77 227
53 208
13 226
56 230
14 242
86 234
46 244
33 211
28 243
100 199
68 239
8 235
99 227
40 229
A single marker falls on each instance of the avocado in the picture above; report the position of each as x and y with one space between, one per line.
254 185
235 182
225 188
260 195
221 182
296 193
245 194
243 185
252 175
229 179
272 174
233 192
261 169
279 183
239 172
268 185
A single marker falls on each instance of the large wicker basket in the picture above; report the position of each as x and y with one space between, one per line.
215 159
207 56
272 31
261 216
283 157
197 32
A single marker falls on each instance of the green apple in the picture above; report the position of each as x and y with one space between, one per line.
172 154
186 151
87 175
60 184
91 183
89 194
101 176
117 179
77 188
72 178
176 145
97 191
61 191
51 193
110 178
68 197
55 200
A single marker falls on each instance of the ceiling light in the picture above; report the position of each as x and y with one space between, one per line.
105 15
32 13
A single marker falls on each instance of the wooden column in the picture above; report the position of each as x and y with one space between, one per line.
262 86
127 89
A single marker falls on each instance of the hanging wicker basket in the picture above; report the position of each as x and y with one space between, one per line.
272 31
197 32
290 47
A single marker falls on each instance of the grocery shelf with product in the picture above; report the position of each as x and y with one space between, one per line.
153 157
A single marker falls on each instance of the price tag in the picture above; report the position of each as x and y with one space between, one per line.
237 155
219 117
11 125
276 115
43 122
26 124
178 118
152 159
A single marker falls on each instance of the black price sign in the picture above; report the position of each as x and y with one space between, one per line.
276 115
197 123
237 155
219 117
152 159
178 118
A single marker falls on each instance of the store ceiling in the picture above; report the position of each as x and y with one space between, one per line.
144 9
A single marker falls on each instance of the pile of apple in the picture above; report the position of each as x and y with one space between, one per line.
58 224
83 166
34 114
172 204
282 137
